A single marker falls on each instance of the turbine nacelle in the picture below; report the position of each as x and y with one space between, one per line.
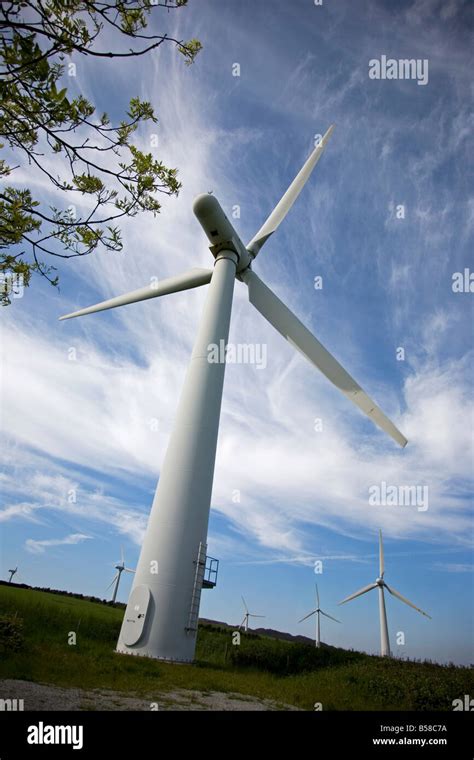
219 230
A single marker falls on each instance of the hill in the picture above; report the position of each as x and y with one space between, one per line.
269 632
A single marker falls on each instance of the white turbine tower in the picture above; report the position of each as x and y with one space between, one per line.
12 573
245 621
120 567
318 611
161 618
380 584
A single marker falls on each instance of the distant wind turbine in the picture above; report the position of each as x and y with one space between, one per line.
162 615
245 621
120 567
12 573
380 584
318 611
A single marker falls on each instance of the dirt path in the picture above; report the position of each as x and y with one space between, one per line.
44 697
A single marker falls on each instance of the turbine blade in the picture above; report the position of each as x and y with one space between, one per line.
246 608
317 595
330 617
252 615
121 556
286 202
402 599
307 616
290 327
243 621
112 583
359 593
128 570
193 278
381 557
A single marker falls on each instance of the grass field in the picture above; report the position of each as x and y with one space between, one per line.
34 647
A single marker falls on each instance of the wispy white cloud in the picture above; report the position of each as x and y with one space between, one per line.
453 567
303 559
330 471
44 490
39 547
101 393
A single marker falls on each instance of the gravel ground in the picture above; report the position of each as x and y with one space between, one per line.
38 696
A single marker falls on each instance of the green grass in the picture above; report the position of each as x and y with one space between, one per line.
285 672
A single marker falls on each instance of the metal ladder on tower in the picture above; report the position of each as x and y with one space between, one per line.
197 588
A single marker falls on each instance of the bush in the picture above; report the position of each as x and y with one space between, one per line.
11 634
417 686
282 659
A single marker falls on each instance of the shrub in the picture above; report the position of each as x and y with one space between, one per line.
11 634
281 658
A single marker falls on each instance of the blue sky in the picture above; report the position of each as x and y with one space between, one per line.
84 438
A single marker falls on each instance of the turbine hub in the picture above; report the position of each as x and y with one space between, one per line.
379 582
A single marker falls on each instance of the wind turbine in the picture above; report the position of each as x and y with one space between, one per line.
162 614
380 584
12 573
248 615
318 611
120 567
